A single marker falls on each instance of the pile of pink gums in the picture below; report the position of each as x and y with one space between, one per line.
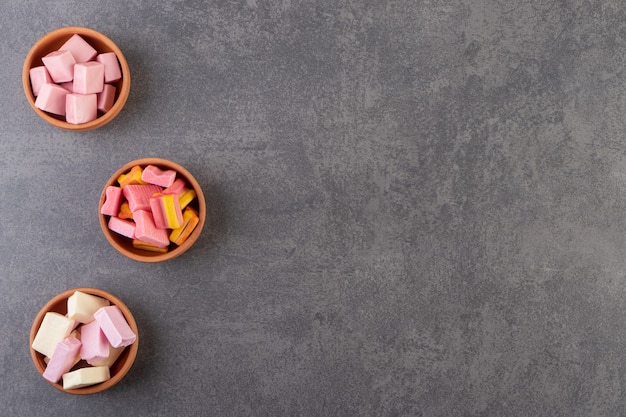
75 81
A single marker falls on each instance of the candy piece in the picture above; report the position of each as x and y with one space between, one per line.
38 77
123 227
106 98
60 66
114 326
178 187
172 215
88 77
62 359
95 346
84 377
147 231
81 108
166 211
112 71
82 306
186 197
113 197
138 196
138 244
54 328
125 212
157 212
51 98
80 49
190 221
155 175
132 177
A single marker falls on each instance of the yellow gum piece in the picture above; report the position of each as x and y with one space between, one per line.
132 177
168 205
186 198
139 244
125 212
190 221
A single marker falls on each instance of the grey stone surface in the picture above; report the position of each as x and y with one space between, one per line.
416 208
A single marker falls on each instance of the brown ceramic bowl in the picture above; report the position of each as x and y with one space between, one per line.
123 244
53 41
118 370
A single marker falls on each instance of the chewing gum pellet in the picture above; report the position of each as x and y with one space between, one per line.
113 197
190 221
138 195
62 359
155 175
84 377
170 209
114 326
139 244
125 212
81 306
186 197
132 177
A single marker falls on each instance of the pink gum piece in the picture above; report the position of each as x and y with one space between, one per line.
113 198
114 326
80 49
147 231
154 175
122 227
112 71
60 66
157 212
88 77
106 98
38 77
51 98
81 108
95 345
138 195
62 359
178 187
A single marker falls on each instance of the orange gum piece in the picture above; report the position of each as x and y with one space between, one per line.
140 244
190 221
132 177
125 212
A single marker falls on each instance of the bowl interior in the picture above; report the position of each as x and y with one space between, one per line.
52 42
121 366
123 244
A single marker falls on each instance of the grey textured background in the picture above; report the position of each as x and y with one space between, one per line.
416 208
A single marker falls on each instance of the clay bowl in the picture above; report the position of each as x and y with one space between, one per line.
121 366
52 42
123 244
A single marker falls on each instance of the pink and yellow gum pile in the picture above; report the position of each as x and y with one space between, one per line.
151 207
